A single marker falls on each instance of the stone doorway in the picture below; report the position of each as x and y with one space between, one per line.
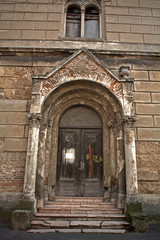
80 155
81 81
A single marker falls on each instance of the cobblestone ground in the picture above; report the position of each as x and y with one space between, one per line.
7 234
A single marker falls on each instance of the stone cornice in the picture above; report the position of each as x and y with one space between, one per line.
70 44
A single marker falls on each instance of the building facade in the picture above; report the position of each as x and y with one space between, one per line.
80 102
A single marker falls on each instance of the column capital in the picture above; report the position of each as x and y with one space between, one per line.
111 124
129 121
35 120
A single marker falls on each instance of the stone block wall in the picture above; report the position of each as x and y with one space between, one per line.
15 93
36 20
131 36
13 144
135 21
123 21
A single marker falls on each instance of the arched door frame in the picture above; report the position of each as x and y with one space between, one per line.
41 133
108 107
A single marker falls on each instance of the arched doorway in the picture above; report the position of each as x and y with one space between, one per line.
80 155
99 101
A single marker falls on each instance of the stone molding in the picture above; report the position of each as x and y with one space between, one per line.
81 65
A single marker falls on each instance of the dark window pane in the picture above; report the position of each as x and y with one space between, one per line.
91 23
73 22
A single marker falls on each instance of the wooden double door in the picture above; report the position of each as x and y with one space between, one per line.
80 162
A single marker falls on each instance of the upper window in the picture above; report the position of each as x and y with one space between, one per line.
82 23
73 22
91 23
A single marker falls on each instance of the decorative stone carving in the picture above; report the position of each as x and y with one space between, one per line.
35 120
82 66
124 72
129 121
111 124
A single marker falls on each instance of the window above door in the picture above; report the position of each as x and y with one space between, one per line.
82 20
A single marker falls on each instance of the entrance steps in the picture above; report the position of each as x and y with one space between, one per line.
79 214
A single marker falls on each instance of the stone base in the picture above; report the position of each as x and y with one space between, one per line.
121 201
151 207
138 221
8 203
26 205
21 219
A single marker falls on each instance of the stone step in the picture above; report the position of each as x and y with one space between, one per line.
114 224
111 231
80 204
36 224
79 210
74 214
80 216
78 199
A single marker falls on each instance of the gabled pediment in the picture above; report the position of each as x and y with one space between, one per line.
82 65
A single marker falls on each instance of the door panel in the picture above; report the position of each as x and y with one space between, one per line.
93 162
80 162
68 162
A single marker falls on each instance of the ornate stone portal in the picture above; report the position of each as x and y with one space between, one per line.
82 81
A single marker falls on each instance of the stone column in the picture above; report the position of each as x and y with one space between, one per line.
35 119
41 165
112 150
82 22
32 153
113 162
120 173
130 156
129 134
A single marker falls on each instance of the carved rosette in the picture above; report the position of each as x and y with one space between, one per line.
129 121
35 120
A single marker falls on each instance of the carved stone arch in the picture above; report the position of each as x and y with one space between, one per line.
85 93
92 4
73 3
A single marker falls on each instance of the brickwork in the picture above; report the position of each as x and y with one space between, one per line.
12 172
15 82
13 144
82 67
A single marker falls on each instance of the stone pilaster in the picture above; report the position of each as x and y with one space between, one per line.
32 152
112 149
120 173
113 161
130 156
35 119
41 165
